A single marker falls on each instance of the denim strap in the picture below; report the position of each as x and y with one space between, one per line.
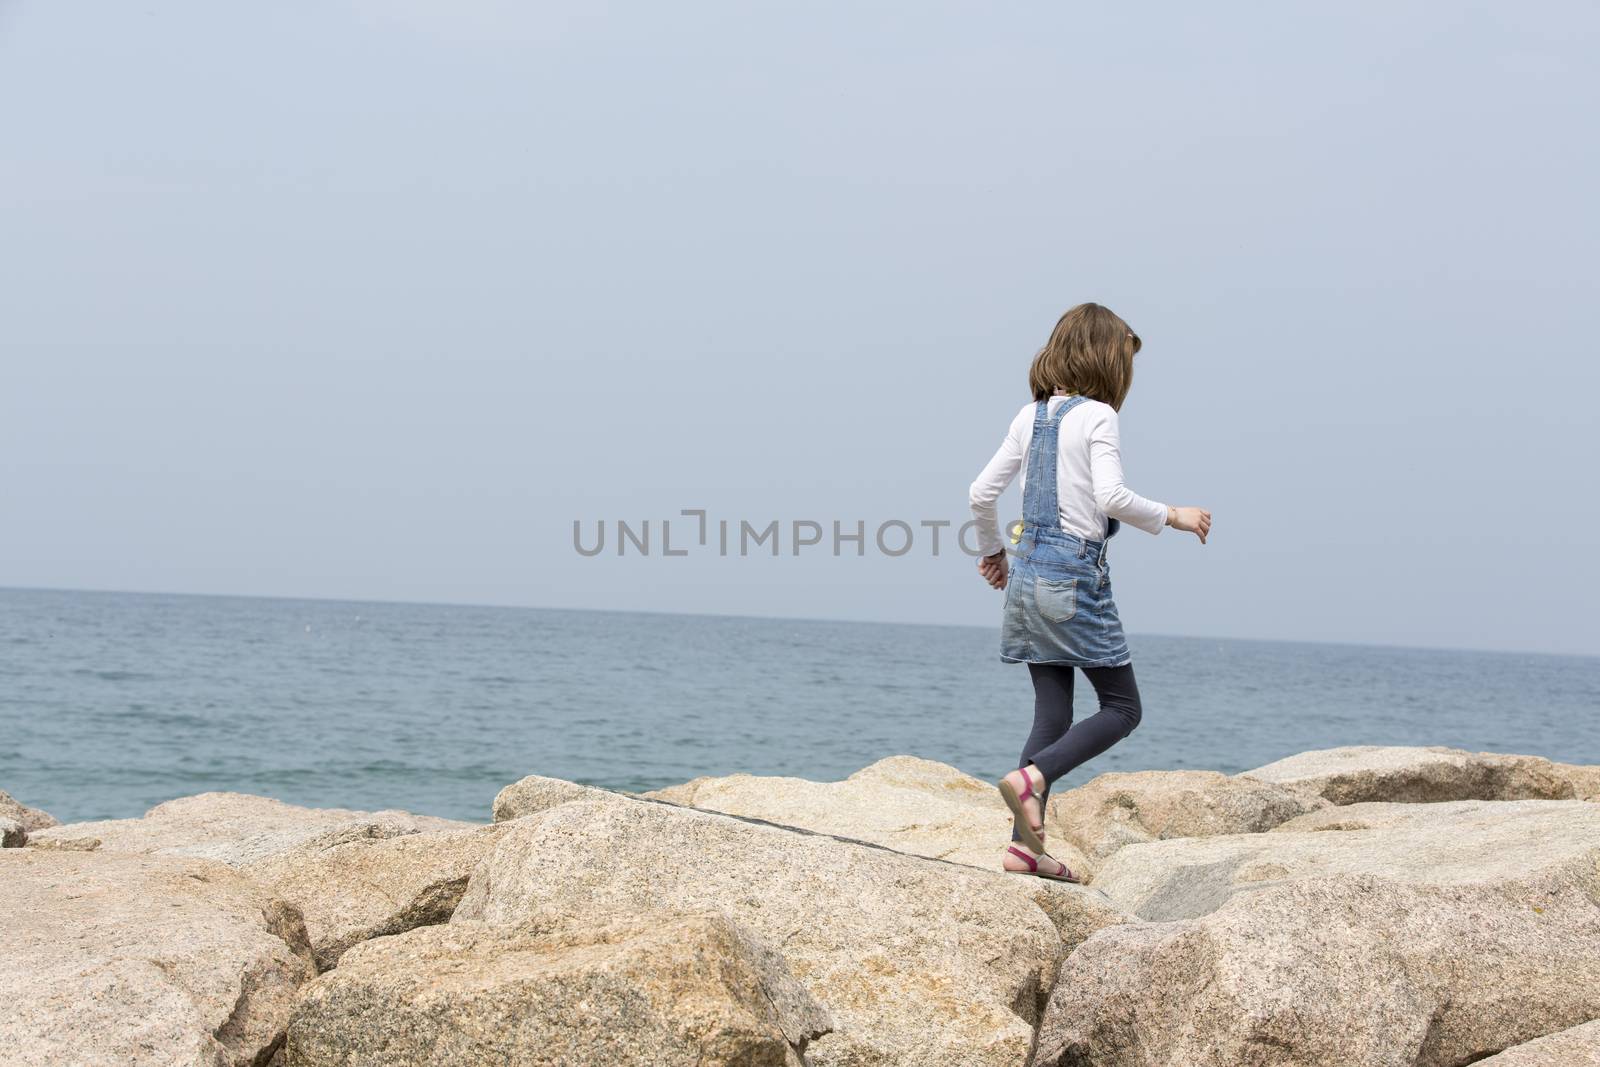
1041 507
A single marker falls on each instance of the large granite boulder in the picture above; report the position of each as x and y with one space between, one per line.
1117 809
927 776
28 818
535 793
1578 1046
902 802
1359 773
231 828
1522 842
659 990
352 874
350 891
911 773
917 961
12 834
1362 970
1434 937
1585 780
112 960
1442 818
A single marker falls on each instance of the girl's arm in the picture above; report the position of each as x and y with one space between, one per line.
1105 466
992 481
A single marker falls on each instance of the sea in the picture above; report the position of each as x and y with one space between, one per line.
113 702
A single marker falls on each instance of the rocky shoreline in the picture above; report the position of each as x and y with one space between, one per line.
1354 906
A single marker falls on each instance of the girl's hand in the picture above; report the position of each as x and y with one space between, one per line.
1191 520
994 569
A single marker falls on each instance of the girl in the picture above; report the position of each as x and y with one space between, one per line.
1058 612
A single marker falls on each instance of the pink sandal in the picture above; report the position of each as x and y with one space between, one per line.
1063 875
1019 817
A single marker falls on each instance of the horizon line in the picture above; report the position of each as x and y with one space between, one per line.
766 618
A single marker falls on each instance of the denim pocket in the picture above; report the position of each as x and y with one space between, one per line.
1057 600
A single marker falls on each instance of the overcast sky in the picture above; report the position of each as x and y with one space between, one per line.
375 299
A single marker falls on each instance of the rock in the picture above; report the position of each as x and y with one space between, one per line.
1359 773
113 960
917 961
1575 1047
1585 780
1443 817
351 891
12 835
1362 970
895 772
233 828
352 874
1330 971
1439 934
535 793
927 776
28 818
1118 809
1519 842
902 802
654 991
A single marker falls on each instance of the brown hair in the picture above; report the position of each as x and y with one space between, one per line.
1089 352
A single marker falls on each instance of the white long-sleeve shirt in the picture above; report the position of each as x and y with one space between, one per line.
1089 484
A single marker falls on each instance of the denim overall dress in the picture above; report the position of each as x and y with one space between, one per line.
1058 599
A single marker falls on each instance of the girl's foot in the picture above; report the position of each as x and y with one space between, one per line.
1022 860
1020 790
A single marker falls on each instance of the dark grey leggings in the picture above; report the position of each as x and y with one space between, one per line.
1055 744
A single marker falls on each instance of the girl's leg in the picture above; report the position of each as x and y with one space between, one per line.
1119 713
1052 718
